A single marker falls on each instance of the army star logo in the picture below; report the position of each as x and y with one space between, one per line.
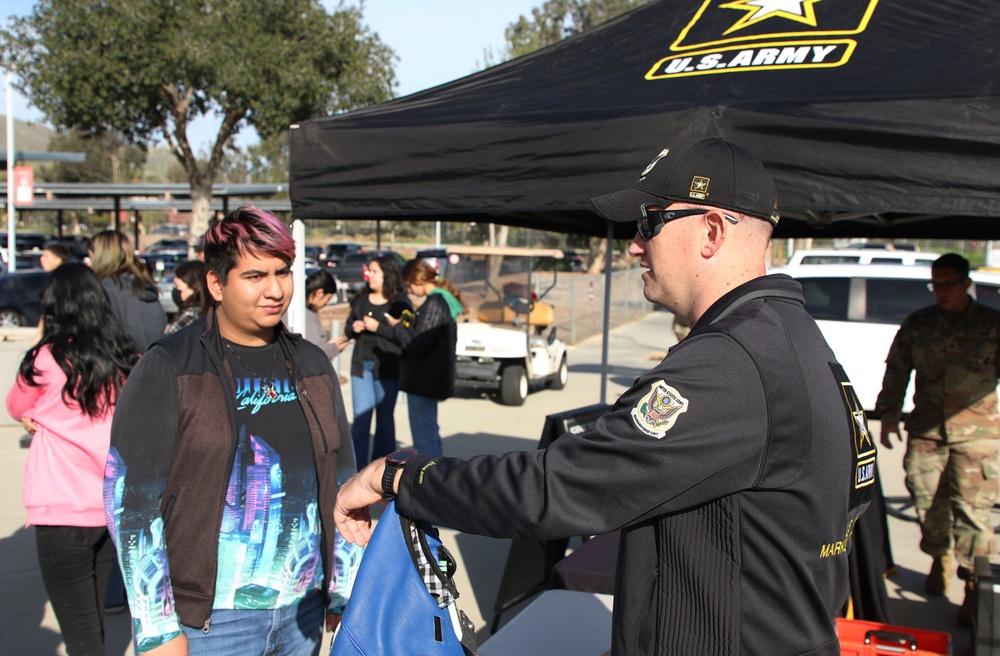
865 444
657 411
759 10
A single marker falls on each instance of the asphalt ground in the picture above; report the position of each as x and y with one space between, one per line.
470 424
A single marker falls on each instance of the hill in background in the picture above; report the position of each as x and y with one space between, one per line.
35 137
27 136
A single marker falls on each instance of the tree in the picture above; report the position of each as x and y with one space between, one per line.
557 19
552 22
264 161
147 68
109 158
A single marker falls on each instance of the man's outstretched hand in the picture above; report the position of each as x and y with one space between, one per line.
352 513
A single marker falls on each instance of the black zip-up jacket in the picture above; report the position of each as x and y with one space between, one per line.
735 468
427 367
384 349
175 430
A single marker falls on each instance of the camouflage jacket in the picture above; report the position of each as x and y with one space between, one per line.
956 366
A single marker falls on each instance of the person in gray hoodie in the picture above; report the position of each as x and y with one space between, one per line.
132 292
135 300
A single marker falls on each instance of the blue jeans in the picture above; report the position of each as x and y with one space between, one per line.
74 562
373 396
424 425
295 630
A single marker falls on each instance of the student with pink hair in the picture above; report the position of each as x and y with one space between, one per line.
224 463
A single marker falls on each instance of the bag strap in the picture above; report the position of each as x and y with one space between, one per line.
439 583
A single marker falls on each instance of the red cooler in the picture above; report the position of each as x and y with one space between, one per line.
861 638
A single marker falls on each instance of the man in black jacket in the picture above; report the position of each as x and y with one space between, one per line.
220 484
735 468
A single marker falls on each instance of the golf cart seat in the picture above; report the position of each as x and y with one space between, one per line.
541 315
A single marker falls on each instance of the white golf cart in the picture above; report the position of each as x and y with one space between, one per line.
507 349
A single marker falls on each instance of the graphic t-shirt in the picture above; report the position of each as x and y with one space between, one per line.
269 541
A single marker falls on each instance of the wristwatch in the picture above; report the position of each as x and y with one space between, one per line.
393 463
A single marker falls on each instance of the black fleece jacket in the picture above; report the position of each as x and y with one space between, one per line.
735 469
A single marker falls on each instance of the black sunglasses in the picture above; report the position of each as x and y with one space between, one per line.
652 220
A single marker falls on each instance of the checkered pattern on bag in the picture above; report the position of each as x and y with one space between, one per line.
427 573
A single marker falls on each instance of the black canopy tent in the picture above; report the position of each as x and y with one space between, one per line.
877 118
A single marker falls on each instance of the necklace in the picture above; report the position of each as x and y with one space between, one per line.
269 384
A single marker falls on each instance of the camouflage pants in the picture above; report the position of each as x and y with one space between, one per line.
954 487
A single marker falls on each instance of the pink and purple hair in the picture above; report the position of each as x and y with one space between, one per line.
247 230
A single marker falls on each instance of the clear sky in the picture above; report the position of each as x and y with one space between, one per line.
437 41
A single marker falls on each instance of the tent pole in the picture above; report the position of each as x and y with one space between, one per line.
297 309
606 330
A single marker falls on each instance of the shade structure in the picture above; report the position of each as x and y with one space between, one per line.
877 118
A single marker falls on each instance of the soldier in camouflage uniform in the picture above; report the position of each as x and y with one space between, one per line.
951 456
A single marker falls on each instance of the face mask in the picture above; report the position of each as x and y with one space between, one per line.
176 295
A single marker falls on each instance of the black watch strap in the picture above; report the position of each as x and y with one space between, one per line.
393 463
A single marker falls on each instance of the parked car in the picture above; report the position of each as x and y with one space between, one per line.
30 241
352 272
314 252
161 265
174 229
335 253
29 260
77 245
573 261
165 289
178 246
860 256
437 258
20 303
859 309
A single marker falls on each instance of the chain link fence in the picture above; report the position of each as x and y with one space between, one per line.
577 299
584 298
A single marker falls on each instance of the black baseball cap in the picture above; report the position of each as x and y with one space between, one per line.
701 171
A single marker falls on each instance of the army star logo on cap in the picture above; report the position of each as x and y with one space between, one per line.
699 187
658 410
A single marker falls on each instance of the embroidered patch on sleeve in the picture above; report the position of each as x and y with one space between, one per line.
656 412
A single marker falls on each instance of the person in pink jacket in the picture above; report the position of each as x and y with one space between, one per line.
64 395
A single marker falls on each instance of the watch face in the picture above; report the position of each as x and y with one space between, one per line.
399 457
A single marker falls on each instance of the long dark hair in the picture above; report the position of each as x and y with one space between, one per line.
393 286
392 280
192 273
87 340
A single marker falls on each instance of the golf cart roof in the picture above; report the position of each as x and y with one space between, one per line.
506 251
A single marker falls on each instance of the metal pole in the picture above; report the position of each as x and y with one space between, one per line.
608 259
572 311
297 310
11 220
